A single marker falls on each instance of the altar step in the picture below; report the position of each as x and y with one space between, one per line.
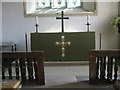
65 63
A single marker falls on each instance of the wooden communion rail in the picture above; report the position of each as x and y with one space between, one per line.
28 66
103 65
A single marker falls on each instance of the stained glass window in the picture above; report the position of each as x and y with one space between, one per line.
43 4
73 3
58 4
54 7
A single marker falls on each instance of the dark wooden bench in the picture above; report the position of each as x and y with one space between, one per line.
103 65
27 66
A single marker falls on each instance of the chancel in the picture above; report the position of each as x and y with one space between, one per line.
42 48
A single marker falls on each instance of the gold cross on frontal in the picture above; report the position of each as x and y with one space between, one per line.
63 43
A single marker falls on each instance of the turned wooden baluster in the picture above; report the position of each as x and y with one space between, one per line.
3 67
118 65
30 69
3 73
17 69
23 69
102 68
9 67
97 67
109 68
10 72
35 68
115 68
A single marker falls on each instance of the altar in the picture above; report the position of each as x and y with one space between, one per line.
81 43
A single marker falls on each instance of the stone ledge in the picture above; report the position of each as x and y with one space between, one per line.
66 63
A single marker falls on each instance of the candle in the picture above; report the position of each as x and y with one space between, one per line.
36 19
87 18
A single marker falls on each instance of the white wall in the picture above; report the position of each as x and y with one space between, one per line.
15 24
0 20
88 6
119 8
0 41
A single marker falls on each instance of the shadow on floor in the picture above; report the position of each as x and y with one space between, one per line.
84 85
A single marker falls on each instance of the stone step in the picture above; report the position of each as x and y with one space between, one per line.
65 63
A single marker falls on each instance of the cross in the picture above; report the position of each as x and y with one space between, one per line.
63 43
62 18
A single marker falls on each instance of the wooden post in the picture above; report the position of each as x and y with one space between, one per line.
92 68
26 42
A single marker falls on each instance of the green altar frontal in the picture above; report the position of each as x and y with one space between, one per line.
81 43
